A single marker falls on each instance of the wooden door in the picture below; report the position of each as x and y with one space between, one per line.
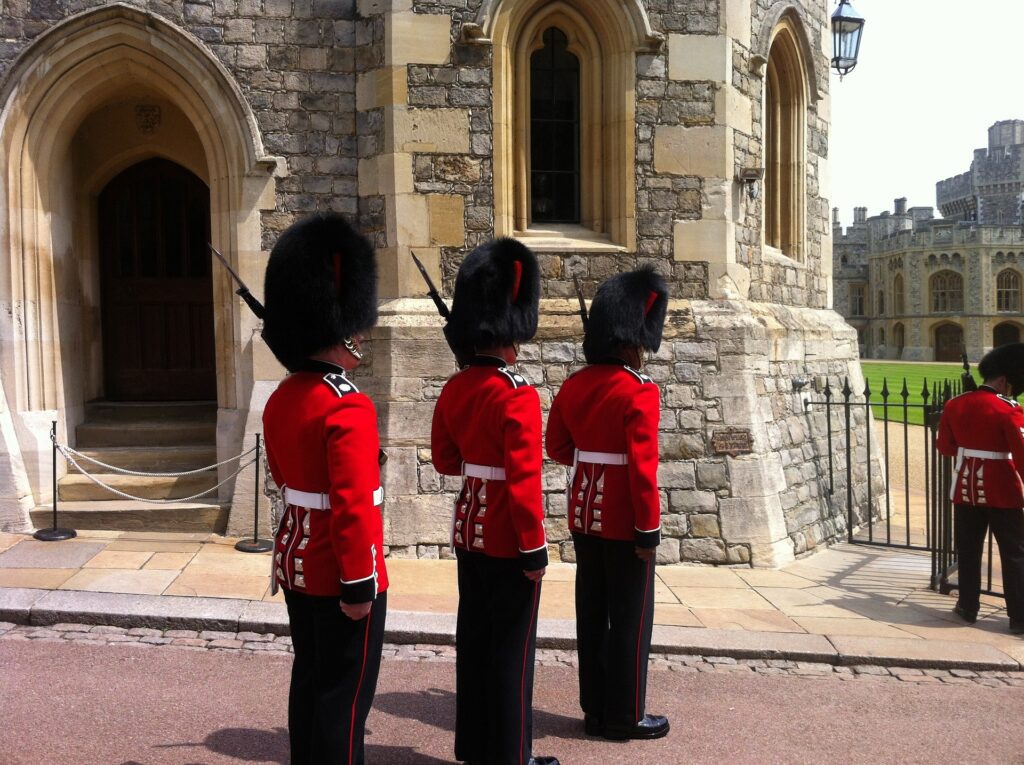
157 292
949 343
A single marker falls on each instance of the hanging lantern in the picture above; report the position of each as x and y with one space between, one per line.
847 28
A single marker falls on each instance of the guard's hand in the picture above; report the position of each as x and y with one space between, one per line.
356 611
646 553
536 575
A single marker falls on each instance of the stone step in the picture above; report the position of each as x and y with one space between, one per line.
124 515
90 435
75 487
162 459
147 411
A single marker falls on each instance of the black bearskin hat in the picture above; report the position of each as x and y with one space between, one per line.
497 292
1005 360
320 287
629 309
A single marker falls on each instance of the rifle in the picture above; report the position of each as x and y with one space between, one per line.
242 291
462 358
967 379
583 303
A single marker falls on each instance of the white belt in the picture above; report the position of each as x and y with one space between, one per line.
602 458
978 453
321 501
486 472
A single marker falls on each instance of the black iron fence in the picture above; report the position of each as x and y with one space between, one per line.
913 511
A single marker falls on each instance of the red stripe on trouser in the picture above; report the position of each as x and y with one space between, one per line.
522 683
359 687
640 637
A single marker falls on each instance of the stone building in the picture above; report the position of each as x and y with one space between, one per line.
922 289
691 134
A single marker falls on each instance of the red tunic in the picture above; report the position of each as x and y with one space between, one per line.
321 437
985 432
487 420
604 412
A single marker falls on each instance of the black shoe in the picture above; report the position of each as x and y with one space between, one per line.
968 616
543 761
652 726
1016 627
593 725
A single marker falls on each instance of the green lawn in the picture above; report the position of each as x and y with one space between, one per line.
895 372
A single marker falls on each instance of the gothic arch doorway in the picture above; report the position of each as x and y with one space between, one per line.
1005 333
949 342
156 288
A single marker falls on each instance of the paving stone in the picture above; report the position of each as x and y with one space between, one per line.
69 627
254 646
186 641
35 554
962 673
226 643
181 633
106 629
255 637
144 631
155 639
869 669
217 635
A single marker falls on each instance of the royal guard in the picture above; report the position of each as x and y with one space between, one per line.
604 424
487 429
984 431
323 447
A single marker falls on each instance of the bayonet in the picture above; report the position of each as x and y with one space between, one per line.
242 291
431 289
583 303
462 358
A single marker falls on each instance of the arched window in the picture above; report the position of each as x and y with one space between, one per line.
554 131
857 299
564 116
898 300
785 104
947 288
1008 291
881 303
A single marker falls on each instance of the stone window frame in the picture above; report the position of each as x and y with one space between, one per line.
1008 291
606 36
880 303
947 292
857 299
786 89
899 304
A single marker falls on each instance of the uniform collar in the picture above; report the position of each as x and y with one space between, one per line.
614 360
484 360
317 365
988 388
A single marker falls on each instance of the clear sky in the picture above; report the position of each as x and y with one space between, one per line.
933 75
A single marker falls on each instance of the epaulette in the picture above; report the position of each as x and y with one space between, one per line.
638 375
340 384
1008 400
517 380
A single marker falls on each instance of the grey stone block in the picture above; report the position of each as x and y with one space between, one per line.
16 603
908 652
155 611
742 644
264 617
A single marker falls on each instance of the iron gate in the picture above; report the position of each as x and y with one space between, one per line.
903 517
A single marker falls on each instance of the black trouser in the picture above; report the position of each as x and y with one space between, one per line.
495 641
334 677
614 619
972 523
